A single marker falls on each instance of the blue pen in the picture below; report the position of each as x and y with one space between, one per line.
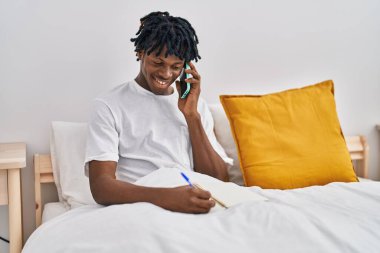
187 179
198 186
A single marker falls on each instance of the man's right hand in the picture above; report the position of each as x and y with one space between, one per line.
186 199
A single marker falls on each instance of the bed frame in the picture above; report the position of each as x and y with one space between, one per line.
357 146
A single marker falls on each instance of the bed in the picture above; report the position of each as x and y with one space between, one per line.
337 217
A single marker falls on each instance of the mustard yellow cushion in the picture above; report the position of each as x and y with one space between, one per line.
289 139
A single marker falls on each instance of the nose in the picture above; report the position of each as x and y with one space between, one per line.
166 73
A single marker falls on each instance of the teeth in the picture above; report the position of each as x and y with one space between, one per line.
160 82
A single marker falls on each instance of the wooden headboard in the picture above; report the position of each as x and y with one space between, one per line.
357 146
43 174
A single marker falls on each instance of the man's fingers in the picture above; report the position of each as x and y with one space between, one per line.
193 71
200 193
202 205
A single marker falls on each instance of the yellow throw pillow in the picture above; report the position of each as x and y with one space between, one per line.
289 139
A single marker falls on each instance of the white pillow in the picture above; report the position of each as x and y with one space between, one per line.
53 155
224 136
68 146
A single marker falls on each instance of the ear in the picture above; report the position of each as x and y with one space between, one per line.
140 55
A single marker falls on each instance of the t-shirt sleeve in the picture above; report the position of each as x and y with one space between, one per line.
208 124
102 135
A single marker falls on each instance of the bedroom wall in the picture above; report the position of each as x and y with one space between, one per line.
55 56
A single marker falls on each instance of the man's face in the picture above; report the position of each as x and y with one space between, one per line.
160 72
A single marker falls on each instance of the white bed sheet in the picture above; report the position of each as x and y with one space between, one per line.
338 217
52 210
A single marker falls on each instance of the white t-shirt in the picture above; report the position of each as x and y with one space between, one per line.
143 132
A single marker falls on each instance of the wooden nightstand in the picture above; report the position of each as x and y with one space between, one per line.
12 159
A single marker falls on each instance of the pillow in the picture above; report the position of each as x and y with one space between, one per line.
224 136
289 139
68 146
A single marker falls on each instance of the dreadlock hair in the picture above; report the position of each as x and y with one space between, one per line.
159 29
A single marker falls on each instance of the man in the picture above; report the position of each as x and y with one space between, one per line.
144 125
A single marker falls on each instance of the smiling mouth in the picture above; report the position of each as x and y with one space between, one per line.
161 82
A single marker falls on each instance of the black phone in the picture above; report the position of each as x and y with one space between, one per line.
185 87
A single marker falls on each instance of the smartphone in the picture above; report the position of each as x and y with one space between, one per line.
185 87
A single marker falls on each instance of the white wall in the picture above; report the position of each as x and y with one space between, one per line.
55 56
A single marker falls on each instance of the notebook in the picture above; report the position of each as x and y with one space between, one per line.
228 194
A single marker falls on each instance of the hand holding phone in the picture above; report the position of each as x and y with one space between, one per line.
185 87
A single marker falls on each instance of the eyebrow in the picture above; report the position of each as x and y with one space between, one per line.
178 62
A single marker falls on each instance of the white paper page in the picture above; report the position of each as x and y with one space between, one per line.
228 193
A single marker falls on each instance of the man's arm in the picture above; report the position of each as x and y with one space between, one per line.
107 190
206 159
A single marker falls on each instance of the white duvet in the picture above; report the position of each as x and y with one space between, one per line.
338 217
